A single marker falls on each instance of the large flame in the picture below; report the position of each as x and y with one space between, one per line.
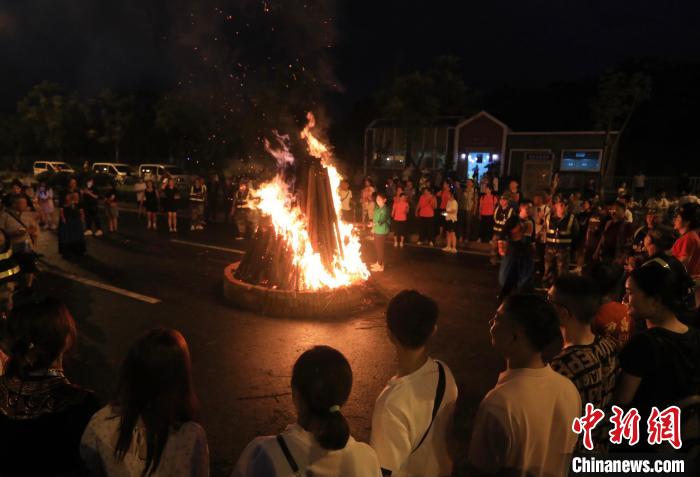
275 199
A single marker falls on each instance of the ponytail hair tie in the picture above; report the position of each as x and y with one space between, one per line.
334 408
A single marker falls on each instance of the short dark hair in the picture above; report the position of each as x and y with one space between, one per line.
690 213
411 318
580 294
660 282
662 236
536 316
607 275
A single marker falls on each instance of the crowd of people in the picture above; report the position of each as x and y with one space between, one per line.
559 359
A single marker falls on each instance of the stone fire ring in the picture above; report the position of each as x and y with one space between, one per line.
294 304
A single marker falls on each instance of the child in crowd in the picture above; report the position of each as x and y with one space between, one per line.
380 228
151 200
451 207
112 209
413 412
399 216
319 442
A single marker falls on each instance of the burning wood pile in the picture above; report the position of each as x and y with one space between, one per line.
302 244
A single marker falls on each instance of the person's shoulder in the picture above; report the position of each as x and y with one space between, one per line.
192 430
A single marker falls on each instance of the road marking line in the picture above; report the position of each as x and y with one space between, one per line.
203 245
104 286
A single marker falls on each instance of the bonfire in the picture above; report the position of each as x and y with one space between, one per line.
304 245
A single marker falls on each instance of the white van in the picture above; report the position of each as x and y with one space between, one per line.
117 170
52 166
157 172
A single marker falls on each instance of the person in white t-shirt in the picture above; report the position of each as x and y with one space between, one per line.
320 443
413 412
523 425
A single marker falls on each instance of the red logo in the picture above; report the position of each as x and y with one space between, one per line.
625 426
665 426
587 423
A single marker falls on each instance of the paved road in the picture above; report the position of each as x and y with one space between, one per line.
137 279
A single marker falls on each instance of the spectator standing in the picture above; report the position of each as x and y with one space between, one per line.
380 229
451 211
345 195
687 247
612 318
71 238
367 200
242 210
657 363
45 206
560 229
588 360
540 212
151 201
198 197
112 209
140 190
42 414
466 212
442 197
171 196
229 198
501 215
516 249
320 443
487 208
21 227
413 413
616 239
90 200
399 217
519 429
151 427
425 211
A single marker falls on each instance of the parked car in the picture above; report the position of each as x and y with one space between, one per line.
158 172
117 170
52 166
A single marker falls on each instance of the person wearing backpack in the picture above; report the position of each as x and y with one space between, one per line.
319 443
413 413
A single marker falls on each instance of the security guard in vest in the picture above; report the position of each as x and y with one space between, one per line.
501 215
198 194
561 227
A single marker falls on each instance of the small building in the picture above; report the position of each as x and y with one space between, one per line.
481 143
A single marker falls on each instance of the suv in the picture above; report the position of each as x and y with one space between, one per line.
117 170
157 172
51 166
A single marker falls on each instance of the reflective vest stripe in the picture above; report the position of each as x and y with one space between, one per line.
559 236
498 224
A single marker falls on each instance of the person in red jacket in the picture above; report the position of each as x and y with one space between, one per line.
425 211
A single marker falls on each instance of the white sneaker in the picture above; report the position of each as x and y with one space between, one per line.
374 265
453 250
99 233
200 227
401 245
192 227
447 249
239 238
378 268
396 244
430 244
419 243
88 232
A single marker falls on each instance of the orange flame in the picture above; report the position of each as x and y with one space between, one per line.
274 198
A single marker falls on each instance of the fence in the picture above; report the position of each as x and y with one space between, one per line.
670 184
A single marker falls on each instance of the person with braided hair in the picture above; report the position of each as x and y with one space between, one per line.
320 443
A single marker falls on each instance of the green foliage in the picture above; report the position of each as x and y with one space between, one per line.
439 91
109 115
50 115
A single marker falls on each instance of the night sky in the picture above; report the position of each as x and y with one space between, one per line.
88 44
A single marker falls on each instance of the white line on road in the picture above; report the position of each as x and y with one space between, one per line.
203 245
104 286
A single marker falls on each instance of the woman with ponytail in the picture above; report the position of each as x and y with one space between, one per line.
42 414
320 443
